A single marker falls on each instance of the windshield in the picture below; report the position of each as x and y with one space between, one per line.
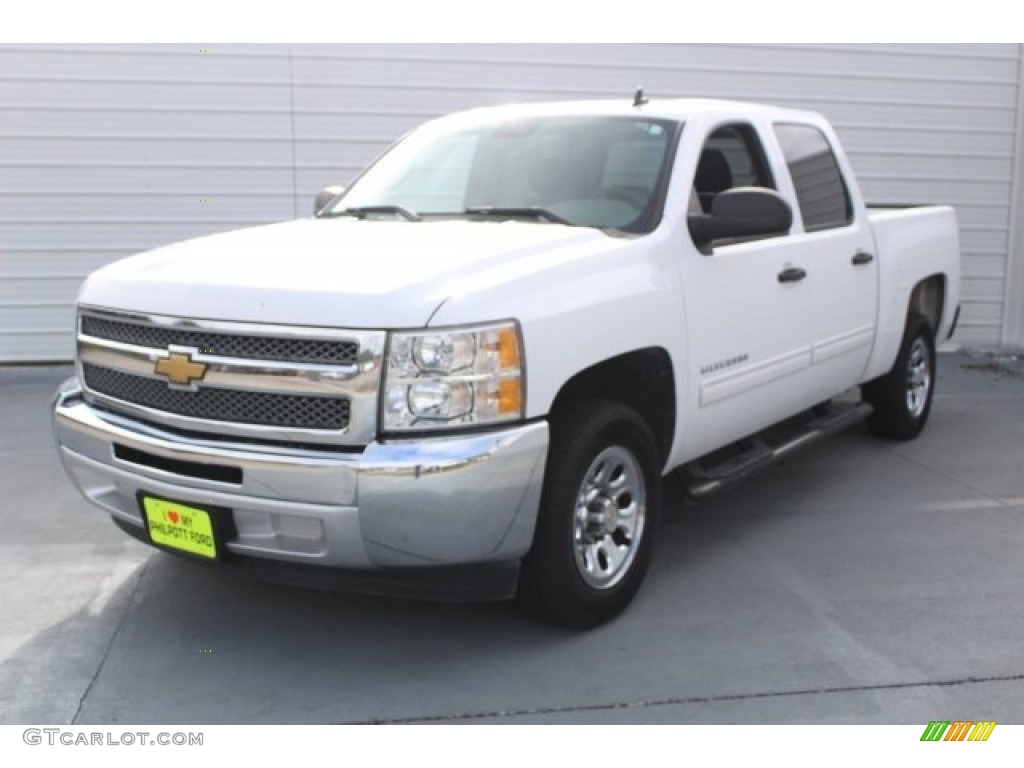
606 172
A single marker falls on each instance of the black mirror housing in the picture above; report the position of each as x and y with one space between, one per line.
741 212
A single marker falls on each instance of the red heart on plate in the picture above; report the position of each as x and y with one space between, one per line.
173 516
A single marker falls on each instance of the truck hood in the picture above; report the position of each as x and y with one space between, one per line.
337 272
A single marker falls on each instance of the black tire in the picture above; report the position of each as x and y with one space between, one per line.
902 399
598 516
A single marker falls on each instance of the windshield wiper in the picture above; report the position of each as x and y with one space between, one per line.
531 212
361 212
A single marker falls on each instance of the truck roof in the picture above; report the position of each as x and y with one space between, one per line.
672 109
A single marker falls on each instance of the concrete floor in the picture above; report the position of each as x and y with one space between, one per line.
860 582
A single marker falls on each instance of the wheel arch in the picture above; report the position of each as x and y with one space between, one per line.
643 380
928 298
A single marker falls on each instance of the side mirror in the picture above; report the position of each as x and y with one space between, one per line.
324 196
741 212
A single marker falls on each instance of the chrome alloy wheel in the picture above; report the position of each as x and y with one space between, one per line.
919 378
608 522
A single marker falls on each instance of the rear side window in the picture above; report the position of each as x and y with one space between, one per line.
820 189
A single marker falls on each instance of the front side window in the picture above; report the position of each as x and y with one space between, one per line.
731 157
820 189
605 172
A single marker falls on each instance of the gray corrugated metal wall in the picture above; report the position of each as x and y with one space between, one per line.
109 150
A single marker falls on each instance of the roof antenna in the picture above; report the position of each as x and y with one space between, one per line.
638 98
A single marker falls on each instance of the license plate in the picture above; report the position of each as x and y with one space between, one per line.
181 527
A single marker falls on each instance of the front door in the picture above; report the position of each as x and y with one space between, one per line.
749 308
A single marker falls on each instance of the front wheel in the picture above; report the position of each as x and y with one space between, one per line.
902 399
599 510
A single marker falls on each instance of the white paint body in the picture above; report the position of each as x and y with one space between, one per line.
582 296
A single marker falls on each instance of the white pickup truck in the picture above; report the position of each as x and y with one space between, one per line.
466 375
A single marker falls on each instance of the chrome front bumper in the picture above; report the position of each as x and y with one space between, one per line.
460 500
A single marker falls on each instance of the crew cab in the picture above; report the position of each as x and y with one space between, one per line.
466 375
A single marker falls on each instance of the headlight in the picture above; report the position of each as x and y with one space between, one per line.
453 377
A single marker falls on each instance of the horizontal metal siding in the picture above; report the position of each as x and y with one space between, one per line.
106 151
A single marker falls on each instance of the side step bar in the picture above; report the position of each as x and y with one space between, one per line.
706 476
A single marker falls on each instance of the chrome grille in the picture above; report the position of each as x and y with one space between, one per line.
292 350
292 411
255 381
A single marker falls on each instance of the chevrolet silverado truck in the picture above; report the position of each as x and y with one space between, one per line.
466 375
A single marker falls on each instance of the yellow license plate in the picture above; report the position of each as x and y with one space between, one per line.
180 527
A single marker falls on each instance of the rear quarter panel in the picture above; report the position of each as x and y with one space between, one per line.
911 244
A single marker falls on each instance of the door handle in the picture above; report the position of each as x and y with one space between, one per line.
861 257
792 275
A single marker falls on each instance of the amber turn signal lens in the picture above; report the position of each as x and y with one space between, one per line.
508 348
510 397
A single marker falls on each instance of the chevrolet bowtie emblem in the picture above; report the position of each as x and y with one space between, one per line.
180 369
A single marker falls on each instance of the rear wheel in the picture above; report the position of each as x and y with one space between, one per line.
599 510
902 399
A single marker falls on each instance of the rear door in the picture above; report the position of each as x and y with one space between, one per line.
833 240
